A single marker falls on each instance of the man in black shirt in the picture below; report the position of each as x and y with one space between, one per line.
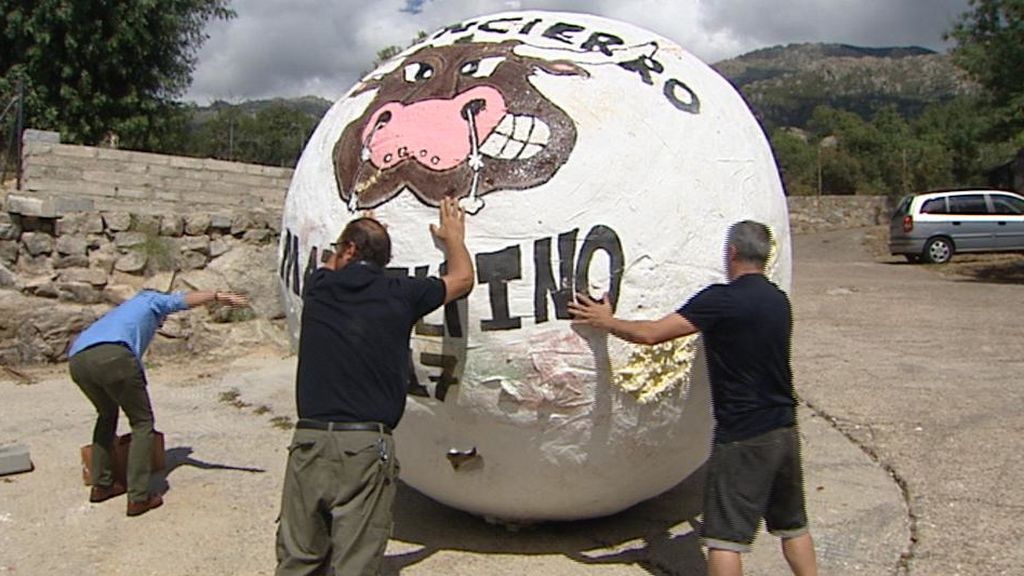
754 471
353 370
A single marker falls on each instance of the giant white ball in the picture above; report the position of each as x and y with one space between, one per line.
595 156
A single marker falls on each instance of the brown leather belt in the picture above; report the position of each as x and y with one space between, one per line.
307 424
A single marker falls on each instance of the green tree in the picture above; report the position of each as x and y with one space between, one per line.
849 149
797 162
990 46
102 66
272 135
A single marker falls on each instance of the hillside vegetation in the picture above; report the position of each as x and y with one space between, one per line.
784 84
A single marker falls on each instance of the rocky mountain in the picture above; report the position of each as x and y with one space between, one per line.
783 84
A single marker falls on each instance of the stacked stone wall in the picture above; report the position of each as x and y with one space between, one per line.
819 213
58 274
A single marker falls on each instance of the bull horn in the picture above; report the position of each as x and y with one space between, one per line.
619 53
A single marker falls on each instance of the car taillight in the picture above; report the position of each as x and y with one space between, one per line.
908 223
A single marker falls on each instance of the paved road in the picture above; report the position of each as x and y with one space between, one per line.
915 373
923 369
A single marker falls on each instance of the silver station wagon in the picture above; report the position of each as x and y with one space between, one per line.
934 226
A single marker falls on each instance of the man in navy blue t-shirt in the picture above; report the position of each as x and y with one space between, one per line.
350 389
754 471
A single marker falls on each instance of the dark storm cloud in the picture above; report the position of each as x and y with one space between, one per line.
875 23
300 47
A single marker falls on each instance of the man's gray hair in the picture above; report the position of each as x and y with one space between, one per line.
752 241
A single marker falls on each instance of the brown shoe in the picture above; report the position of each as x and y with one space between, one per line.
136 508
101 493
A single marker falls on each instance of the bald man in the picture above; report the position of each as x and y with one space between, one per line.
353 372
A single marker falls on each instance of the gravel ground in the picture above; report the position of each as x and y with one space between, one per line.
912 439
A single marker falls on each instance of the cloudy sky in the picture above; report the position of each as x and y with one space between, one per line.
321 47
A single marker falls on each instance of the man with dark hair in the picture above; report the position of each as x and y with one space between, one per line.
755 470
106 363
353 372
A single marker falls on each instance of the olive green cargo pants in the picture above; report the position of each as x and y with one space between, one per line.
336 503
111 377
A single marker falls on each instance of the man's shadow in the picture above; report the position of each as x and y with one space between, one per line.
659 535
182 456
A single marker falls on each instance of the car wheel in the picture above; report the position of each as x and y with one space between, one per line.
912 258
938 251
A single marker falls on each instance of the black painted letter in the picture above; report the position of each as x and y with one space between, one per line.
545 281
495 269
601 238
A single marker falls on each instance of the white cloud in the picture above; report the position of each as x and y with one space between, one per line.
300 47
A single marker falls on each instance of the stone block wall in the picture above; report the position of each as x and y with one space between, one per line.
819 213
60 178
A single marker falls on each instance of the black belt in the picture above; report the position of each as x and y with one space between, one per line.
307 424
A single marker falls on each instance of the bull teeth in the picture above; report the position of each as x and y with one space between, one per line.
517 138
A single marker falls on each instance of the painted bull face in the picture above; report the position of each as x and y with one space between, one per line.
458 121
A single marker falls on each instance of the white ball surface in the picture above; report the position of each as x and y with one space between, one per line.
606 158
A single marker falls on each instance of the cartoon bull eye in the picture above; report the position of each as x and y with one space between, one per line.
418 71
481 68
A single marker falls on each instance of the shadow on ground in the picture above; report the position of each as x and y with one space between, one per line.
1002 269
657 535
182 456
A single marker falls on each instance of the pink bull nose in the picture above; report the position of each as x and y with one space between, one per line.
433 132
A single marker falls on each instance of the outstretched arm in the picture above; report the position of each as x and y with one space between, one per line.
200 297
598 313
451 231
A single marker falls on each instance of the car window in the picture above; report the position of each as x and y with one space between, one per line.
1007 204
902 208
968 204
934 206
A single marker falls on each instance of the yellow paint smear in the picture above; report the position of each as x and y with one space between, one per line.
651 371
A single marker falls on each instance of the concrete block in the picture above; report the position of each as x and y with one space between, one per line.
224 188
245 180
134 193
42 158
24 205
206 175
55 172
162 171
166 195
216 198
224 166
182 162
68 205
14 459
40 136
183 184
277 172
121 179
72 151
151 158
68 187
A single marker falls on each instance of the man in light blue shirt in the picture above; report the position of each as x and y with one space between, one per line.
106 363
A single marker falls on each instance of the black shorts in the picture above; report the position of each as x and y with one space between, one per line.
759 477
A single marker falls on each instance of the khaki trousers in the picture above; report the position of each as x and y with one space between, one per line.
336 503
111 377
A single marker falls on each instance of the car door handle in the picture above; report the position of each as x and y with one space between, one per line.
956 223
1001 223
